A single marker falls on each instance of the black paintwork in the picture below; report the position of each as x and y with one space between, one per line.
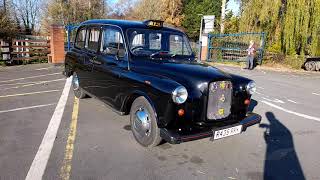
117 82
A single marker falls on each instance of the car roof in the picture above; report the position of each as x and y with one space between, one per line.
124 24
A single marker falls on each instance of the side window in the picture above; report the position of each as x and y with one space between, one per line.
93 40
81 36
179 46
112 42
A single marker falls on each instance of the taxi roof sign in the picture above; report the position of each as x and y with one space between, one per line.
154 23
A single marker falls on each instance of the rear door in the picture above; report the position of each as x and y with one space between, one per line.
83 66
91 46
109 66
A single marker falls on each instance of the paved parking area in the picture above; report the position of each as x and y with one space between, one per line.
93 142
28 97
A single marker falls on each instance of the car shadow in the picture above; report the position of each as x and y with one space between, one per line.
281 160
253 104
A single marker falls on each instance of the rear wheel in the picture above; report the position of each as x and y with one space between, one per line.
78 92
143 123
310 66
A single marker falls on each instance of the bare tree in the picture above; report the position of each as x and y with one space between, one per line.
28 12
8 26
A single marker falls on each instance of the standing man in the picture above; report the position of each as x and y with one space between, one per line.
251 51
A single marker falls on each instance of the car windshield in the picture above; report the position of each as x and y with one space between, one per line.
150 42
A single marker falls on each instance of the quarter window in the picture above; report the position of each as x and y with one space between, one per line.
93 41
112 42
81 36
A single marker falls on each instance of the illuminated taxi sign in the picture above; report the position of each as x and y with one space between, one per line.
154 23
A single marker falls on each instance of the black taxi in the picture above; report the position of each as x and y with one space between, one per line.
149 71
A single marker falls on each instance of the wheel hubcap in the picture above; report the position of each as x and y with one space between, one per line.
142 123
75 82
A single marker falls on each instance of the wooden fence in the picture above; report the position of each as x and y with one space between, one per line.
25 50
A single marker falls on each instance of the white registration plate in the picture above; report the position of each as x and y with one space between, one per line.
227 132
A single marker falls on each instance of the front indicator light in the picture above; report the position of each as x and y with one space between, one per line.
247 102
181 112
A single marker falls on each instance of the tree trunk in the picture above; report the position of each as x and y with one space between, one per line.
223 14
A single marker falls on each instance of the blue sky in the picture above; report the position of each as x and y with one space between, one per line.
234 6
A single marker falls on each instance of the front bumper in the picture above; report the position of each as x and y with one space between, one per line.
174 138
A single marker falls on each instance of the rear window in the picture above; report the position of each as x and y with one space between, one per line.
80 39
93 41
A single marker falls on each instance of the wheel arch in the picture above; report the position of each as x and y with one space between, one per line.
130 99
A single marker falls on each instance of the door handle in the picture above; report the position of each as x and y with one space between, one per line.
94 60
110 63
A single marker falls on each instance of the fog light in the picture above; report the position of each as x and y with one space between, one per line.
247 102
181 112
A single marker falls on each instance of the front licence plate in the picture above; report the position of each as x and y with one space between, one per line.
227 132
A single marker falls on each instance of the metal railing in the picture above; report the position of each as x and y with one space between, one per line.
233 47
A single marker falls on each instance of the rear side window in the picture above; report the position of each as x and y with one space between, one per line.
93 40
81 37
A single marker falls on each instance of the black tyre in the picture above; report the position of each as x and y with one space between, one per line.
78 92
143 123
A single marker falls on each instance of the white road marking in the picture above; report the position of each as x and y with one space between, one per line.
40 161
316 94
278 101
266 99
261 94
32 84
260 87
292 101
31 93
13 84
292 112
275 100
10 80
24 108
43 69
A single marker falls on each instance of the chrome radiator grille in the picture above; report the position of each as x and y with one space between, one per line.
219 101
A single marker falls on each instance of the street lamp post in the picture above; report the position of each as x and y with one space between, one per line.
200 37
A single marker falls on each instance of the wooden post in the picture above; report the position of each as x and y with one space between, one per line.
57 44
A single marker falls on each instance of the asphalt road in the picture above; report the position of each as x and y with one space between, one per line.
93 142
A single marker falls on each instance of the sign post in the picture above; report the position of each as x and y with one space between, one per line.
207 26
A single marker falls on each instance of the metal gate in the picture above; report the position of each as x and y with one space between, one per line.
71 33
233 47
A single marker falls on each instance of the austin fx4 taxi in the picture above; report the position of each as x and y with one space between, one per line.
148 71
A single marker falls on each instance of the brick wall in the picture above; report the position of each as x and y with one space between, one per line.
57 44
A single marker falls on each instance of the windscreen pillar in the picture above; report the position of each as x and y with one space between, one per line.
57 35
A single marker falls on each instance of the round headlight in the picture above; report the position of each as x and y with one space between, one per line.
251 87
180 95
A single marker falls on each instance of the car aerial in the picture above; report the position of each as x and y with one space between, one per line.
148 71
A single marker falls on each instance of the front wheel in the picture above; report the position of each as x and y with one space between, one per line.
143 123
78 92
